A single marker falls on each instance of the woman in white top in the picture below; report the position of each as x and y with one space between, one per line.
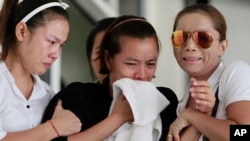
32 35
199 40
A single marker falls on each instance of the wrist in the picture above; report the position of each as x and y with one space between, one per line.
54 128
118 119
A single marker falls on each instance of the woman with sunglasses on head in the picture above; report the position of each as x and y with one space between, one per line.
218 95
32 35
129 51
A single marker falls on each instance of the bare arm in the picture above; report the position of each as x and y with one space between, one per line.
99 131
235 116
204 98
213 128
64 122
190 134
201 101
44 132
237 113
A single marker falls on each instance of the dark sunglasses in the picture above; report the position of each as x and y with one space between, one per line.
201 38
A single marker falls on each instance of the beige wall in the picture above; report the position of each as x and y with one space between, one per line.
161 14
1 2
237 14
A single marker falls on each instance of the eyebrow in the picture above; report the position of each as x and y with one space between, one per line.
133 59
57 39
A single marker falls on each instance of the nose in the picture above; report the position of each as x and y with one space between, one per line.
55 52
190 44
141 73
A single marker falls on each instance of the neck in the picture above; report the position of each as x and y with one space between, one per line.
23 79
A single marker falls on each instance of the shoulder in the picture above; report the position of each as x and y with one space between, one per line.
234 84
47 87
79 88
73 96
168 93
80 85
237 70
75 91
41 87
238 65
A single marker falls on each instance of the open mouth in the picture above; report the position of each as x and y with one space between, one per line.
191 58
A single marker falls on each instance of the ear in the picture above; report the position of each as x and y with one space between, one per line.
223 47
107 59
21 29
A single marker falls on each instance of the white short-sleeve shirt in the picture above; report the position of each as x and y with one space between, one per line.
234 85
16 112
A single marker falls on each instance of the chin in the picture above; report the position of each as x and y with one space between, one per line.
41 72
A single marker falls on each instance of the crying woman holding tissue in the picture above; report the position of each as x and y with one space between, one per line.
126 106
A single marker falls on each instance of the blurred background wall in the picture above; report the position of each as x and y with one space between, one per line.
73 66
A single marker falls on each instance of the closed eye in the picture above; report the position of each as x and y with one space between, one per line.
151 64
131 64
51 42
62 45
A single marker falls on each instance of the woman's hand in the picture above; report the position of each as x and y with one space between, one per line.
177 127
203 95
123 109
65 122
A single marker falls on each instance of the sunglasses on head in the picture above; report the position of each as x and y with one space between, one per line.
201 38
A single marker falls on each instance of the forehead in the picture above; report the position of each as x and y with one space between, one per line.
138 47
57 28
195 21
